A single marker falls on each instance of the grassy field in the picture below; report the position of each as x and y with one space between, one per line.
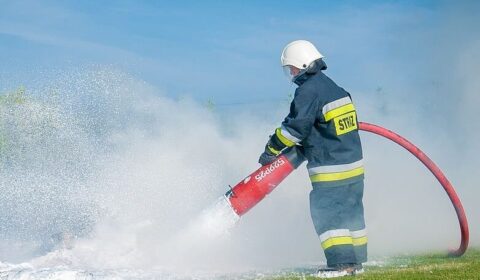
432 266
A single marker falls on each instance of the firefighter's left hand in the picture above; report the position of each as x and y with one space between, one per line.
267 157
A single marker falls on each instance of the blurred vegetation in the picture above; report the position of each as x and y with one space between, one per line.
7 100
14 97
210 105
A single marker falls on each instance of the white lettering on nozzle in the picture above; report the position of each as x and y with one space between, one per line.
274 165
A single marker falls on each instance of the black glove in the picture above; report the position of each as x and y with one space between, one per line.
272 150
267 157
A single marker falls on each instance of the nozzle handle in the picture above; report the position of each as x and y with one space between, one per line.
294 155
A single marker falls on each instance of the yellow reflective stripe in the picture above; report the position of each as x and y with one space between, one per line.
360 241
334 233
335 104
339 111
335 168
345 123
287 142
334 241
327 177
275 152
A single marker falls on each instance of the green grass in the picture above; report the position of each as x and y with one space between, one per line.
431 266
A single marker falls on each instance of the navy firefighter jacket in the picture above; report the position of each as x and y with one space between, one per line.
323 121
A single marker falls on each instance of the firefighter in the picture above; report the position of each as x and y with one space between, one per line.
323 123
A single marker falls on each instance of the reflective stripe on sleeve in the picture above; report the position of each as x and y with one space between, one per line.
275 152
339 111
285 137
335 104
332 109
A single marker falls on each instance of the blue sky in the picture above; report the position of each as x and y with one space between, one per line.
228 51
411 66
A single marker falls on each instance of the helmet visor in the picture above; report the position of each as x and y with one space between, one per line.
291 72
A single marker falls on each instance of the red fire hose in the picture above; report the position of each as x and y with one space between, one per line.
462 219
255 187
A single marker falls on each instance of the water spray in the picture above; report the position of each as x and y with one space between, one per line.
255 187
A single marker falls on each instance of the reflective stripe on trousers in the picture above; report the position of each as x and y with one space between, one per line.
337 214
343 237
339 172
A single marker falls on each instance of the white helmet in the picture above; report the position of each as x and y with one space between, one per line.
300 54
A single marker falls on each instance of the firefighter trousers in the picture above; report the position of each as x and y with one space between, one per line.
337 214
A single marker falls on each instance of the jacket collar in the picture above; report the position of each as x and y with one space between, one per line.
311 70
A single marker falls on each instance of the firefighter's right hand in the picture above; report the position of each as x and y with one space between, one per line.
268 156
